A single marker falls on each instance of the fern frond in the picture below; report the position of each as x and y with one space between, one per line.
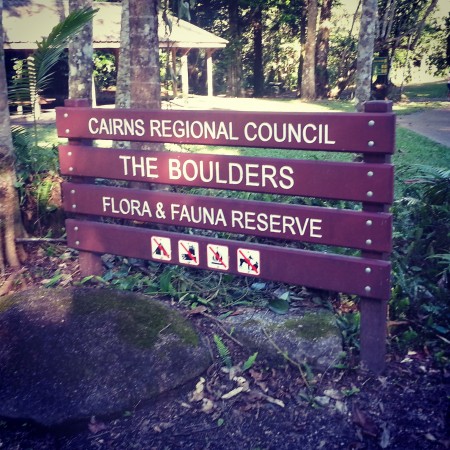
223 350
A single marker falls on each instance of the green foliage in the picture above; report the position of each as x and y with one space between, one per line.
421 242
223 350
249 362
104 69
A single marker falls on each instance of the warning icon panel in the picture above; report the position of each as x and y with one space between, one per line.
248 261
161 248
218 257
188 253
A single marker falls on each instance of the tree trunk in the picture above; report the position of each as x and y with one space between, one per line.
258 69
323 45
234 51
81 57
10 221
123 70
365 52
308 91
301 61
144 54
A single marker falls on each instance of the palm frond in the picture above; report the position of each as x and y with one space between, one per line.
35 73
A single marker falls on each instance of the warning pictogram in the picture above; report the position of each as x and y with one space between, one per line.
161 248
248 261
188 253
218 257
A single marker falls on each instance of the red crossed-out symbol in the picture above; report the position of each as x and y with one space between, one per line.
189 253
218 257
161 247
249 263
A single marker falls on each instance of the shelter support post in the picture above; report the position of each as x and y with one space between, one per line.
209 71
185 74
174 71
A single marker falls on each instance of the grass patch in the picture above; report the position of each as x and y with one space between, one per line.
431 90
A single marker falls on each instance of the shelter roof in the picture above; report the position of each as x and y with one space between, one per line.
28 21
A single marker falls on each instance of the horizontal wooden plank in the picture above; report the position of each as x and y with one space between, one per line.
358 276
327 226
337 132
332 180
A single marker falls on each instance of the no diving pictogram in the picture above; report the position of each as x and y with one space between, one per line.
218 257
188 253
161 248
248 261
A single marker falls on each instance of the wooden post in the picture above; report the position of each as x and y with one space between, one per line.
185 74
174 69
209 71
90 263
374 312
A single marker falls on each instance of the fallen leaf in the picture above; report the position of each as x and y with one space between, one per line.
198 310
198 394
243 383
368 426
385 439
232 393
207 406
333 393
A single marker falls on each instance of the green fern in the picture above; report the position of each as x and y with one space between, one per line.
223 350
250 361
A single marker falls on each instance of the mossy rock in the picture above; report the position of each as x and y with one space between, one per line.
72 353
312 337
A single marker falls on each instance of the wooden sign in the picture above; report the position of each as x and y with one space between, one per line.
327 226
368 230
371 183
339 132
358 276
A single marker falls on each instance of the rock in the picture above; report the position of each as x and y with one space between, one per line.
311 337
73 353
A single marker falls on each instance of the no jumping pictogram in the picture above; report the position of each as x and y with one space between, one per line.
248 261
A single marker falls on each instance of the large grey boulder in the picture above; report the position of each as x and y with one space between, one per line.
311 336
72 353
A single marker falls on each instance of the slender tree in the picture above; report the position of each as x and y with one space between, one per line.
308 87
81 57
10 223
234 50
144 54
258 66
123 71
322 49
365 52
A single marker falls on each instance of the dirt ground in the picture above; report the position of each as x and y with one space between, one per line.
406 407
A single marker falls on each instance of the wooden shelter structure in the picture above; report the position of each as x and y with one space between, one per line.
27 21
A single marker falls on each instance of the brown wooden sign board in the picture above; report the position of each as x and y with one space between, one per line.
371 133
339 132
327 226
372 183
351 275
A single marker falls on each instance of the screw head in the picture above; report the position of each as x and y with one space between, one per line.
66 115
371 143
370 194
371 123
369 223
368 270
370 173
369 242
67 131
367 289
